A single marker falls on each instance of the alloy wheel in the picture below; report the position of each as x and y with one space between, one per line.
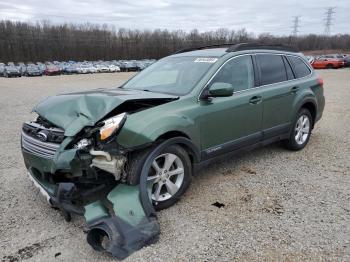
302 129
165 177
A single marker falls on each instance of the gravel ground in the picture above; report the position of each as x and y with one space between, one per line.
279 205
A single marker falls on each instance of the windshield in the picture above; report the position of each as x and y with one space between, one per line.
173 75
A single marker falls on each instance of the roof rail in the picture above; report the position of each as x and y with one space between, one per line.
242 47
249 46
202 47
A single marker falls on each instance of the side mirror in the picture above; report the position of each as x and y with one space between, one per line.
220 89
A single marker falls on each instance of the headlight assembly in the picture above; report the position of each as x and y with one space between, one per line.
112 125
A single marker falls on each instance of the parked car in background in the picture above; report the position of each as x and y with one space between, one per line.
129 66
310 58
83 69
327 62
334 56
72 69
91 68
22 67
113 68
102 68
141 65
63 67
52 69
347 61
2 69
41 66
12 70
33 70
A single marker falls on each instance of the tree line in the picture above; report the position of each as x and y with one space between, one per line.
43 41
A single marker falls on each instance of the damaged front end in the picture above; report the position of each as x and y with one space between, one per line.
69 169
76 162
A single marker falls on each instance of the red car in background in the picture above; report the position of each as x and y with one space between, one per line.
328 62
52 70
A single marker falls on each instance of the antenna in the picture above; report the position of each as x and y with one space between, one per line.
329 18
296 25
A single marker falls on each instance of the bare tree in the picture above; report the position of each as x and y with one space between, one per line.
44 41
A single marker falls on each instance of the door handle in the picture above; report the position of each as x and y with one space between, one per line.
294 89
255 100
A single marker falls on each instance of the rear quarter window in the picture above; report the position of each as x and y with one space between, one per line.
272 69
299 66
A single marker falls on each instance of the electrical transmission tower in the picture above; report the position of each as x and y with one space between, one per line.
296 25
328 20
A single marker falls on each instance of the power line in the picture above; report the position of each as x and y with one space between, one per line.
329 18
296 25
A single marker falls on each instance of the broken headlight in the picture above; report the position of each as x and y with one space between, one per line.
83 143
111 126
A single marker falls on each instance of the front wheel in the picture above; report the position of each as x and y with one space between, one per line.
301 132
168 178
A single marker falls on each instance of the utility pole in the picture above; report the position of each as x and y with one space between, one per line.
328 20
296 25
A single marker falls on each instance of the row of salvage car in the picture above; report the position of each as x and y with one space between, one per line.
330 61
12 69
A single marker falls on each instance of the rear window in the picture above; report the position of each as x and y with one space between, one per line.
271 68
299 66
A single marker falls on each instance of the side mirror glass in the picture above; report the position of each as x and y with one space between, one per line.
220 89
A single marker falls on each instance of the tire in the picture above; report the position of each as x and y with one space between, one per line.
163 184
301 132
329 66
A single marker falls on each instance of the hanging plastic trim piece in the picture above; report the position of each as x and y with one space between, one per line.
126 220
127 229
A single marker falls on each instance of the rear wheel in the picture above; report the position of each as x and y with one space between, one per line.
329 66
169 175
301 132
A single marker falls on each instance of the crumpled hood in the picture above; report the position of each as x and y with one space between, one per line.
74 111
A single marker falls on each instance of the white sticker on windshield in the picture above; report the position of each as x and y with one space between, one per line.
206 60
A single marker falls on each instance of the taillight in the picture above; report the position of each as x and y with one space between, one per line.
320 81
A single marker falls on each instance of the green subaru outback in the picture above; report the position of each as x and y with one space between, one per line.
195 105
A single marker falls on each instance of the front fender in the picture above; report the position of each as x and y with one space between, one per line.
137 132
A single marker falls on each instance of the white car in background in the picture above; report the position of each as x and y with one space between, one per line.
310 58
92 69
101 68
83 69
113 68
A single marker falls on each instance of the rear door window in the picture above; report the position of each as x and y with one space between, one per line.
272 69
299 66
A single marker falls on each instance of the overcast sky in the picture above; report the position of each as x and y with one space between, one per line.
257 16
